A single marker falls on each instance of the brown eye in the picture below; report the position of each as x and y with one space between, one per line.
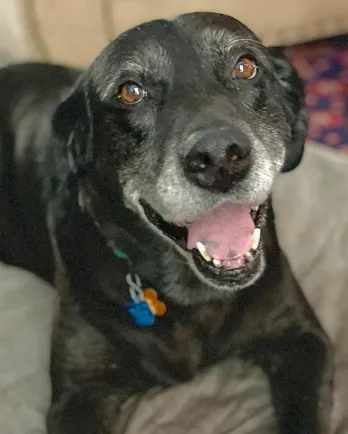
245 68
131 93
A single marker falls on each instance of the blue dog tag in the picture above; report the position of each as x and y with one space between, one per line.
141 313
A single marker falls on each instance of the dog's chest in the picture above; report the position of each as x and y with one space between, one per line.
194 343
174 354
83 351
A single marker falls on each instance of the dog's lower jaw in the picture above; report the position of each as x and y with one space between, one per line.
184 285
200 288
234 284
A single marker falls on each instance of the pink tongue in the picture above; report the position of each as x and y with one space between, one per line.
225 231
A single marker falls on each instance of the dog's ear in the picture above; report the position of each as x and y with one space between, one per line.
72 125
294 94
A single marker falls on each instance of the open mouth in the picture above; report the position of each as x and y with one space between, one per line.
224 242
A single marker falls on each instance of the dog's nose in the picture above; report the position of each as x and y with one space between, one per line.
218 160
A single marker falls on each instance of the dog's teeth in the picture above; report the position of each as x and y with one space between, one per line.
255 208
217 262
203 251
255 239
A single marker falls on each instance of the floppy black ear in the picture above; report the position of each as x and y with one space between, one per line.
72 125
294 93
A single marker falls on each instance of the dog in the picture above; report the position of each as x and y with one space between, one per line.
148 178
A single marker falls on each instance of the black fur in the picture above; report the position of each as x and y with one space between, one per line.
63 130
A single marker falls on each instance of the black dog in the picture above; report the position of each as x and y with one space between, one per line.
154 168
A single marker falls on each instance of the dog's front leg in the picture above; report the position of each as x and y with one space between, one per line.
89 409
299 366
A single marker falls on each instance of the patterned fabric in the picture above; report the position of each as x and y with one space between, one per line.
323 66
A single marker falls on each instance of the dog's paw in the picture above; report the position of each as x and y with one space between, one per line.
72 414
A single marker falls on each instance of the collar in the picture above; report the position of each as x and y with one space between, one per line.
144 305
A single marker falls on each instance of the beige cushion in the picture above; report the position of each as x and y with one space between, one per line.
74 32
311 205
27 308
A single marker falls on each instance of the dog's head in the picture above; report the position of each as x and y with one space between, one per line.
191 120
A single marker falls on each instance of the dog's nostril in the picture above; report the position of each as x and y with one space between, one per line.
235 153
198 162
